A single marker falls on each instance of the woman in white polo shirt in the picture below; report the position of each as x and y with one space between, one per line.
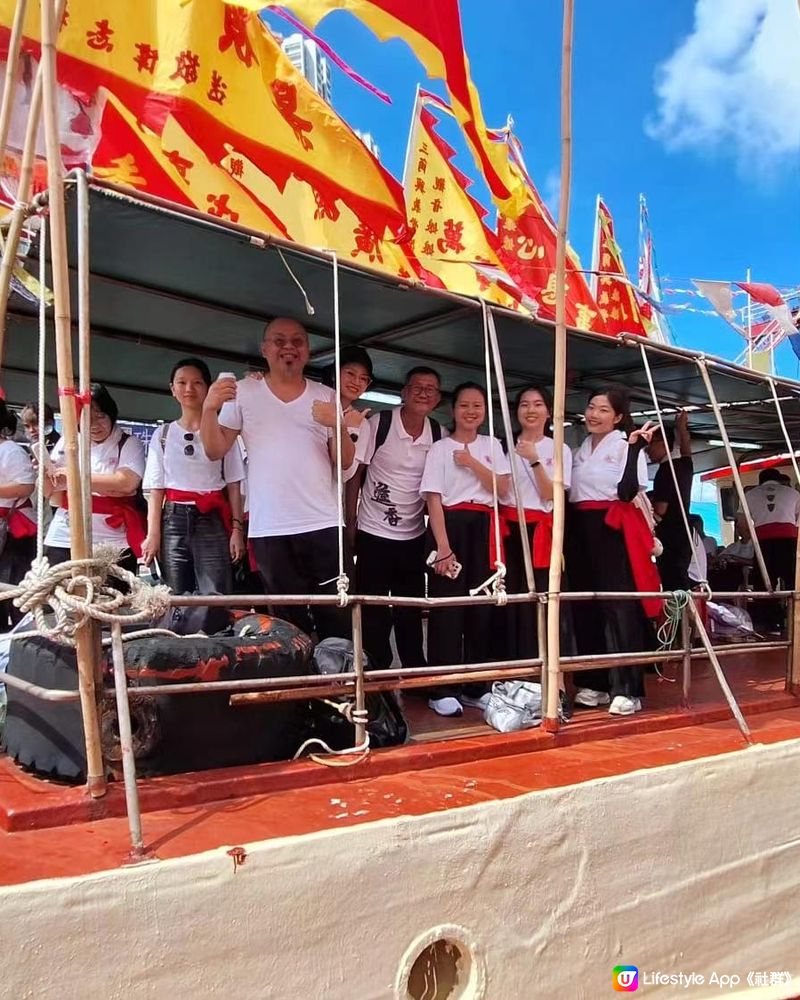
194 505
533 459
457 485
611 549
117 465
18 528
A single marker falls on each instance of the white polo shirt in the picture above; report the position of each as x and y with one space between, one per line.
391 505
106 457
169 467
16 467
455 483
773 503
526 476
291 487
596 474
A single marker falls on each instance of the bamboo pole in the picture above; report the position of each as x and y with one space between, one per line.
550 720
20 211
86 649
10 83
84 353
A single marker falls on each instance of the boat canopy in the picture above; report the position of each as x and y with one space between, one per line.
166 282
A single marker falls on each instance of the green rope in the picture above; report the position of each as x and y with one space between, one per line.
669 629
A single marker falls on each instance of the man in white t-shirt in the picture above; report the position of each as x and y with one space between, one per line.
390 542
286 422
775 509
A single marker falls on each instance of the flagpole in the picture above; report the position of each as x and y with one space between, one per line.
407 162
594 279
749 325
550 720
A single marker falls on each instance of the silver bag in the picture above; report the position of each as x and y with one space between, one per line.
514 705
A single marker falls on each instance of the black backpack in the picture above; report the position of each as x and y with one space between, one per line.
385 422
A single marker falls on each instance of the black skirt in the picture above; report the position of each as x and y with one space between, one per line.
599 562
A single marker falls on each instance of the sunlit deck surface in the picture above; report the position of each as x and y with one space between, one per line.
49 830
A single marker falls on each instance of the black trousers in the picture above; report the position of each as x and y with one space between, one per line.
15 561
397 567
299 564
522 640
127 560
779 558
195 551
464 634
599 561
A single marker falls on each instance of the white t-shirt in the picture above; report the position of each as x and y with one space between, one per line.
107 456
773 503
457 484
291 486
698 567
169 467
391 505
526 476
596 474
16 467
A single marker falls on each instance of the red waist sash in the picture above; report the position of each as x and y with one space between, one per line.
542 537
768 532
19 526
120 512
494 556
638 539
205 503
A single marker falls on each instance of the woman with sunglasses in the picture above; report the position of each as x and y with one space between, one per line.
194 505
117 464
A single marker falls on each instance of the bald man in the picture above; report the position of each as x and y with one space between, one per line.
287 423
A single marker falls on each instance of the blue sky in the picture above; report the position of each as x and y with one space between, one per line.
696 103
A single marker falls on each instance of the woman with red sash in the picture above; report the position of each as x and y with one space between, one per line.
117 464
611 549
457 485
194 505
18 516
533 461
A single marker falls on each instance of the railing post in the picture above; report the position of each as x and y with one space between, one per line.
358 669
793 673
686 640
126 745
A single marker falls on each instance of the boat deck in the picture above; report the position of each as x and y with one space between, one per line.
49 830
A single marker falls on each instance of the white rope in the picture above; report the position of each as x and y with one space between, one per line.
356 717
41 449
309 308
668 450
498 580
77 591
342 582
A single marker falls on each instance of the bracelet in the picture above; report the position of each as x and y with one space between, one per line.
443 559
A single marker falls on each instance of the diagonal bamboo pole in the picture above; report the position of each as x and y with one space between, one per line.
86 649
550 720
10 84
20 212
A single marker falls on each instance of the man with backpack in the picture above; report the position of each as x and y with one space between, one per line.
390 537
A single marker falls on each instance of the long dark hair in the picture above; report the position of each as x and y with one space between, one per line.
547 397
105 401
620 404
462 387
8 421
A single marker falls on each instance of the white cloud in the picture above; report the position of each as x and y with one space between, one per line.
551 191
734 83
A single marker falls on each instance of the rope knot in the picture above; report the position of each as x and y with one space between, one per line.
342 588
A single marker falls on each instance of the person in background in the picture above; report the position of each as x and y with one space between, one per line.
775 509
117 467
30 421
458 486
287 423
698 567
390 541
533 459
673 563
731 568
195 519
709 542
17 514
610 549
355 377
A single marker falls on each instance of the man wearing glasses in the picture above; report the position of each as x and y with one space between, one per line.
287 423
390 541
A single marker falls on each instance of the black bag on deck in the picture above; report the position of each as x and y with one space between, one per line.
387 725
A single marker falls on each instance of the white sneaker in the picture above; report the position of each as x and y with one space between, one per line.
624 706
482 702
591 699
446 706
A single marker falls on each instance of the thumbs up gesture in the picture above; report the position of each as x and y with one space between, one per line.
463 458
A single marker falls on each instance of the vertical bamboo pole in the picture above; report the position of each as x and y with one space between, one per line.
84 354
95 778
550 720
359 728
793 673
23 195
10 84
